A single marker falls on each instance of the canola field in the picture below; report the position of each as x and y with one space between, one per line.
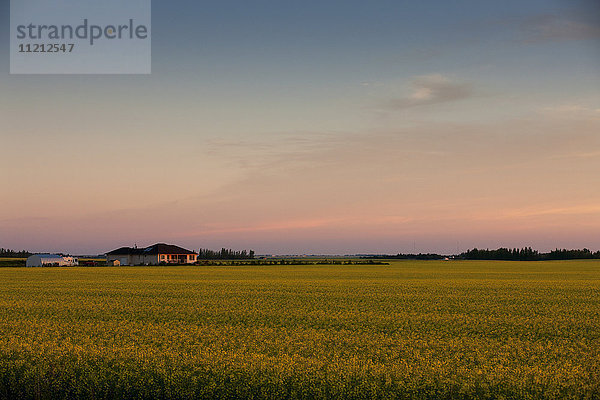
408 330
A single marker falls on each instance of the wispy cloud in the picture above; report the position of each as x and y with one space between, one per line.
583 154
432 89
551 27
585 209
573 111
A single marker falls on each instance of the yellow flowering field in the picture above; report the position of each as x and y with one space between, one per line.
408 330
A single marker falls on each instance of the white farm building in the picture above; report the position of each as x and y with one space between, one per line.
50 260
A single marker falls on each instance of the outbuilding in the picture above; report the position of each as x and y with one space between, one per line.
50 260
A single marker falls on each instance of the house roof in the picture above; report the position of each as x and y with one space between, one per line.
158 248
162 248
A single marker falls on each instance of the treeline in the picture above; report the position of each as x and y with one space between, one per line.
572 254
292 262
225 254
400 256
528 254
8 253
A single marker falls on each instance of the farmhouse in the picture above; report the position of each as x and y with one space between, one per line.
151 255
49 260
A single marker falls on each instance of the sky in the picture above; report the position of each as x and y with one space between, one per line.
316 127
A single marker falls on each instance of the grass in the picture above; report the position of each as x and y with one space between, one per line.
12 262
411 329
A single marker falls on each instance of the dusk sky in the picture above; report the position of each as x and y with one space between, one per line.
329 127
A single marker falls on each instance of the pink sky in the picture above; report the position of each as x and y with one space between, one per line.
430 187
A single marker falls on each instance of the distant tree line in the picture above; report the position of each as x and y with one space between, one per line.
293 262
528 254
523 254
7 253
225 254
572 254
400 256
